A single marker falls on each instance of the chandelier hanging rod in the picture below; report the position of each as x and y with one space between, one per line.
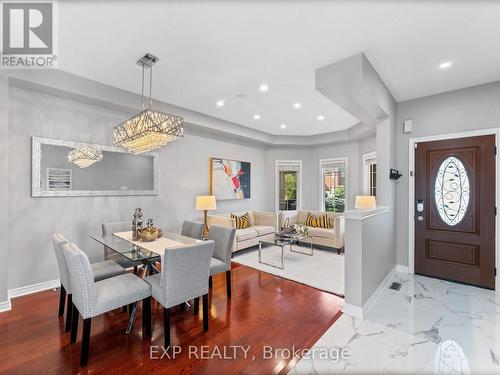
146 62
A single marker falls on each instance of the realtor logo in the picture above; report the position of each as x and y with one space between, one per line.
28 35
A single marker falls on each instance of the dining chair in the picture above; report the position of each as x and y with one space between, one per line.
184 276
101 270
192 229
118 226
221 260
91 298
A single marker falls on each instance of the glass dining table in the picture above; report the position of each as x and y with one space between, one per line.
137 251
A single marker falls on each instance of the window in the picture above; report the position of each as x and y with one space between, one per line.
333 176
370 174
288 184
451 191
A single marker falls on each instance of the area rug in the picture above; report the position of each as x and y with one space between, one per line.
324 270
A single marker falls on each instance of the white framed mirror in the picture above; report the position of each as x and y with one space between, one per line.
74 169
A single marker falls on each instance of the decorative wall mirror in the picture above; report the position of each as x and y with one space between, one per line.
69 169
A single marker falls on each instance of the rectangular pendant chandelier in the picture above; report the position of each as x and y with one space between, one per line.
149 129
85 156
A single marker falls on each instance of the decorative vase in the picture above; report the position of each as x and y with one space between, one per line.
136 224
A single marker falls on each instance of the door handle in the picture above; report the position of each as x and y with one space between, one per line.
420 218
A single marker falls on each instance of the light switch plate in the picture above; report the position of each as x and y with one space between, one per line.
407 126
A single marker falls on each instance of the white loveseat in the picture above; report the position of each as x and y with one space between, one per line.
262 225
333 237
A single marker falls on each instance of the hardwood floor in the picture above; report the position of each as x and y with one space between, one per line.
264 310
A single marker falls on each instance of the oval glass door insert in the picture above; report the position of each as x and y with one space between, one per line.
452 190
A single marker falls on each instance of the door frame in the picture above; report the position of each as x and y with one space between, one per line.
411 191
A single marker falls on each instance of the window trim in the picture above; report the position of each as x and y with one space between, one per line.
366 170
277 163
344 159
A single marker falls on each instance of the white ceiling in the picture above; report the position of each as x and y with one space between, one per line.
212 50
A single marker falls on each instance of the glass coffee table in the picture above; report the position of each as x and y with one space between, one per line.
282 242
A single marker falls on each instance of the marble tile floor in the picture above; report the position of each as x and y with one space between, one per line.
429 326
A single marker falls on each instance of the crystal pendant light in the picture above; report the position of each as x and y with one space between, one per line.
149 129
85 156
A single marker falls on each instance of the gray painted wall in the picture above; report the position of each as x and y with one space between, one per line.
367 241
183 174
457 111
4 185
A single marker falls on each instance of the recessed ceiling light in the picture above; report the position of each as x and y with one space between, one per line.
256 117
264 87
445 65
220 103
297 105
321 117
282 126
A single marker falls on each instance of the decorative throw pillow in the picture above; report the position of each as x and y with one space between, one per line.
318 222
242 221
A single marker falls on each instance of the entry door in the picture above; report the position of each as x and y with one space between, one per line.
455 210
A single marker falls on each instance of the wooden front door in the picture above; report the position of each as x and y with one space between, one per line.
455 210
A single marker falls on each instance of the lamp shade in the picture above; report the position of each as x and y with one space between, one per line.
205 202
365 202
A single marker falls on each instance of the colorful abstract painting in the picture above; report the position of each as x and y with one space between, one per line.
229 179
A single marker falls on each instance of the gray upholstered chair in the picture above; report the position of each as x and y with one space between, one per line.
192 229
101 271
221 260
118 226
91 299
184 276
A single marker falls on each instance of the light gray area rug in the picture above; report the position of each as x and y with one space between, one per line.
324 270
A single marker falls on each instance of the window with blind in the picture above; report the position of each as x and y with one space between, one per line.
288 182
333 175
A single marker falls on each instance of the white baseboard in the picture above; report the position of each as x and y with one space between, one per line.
352 310
5 306
24 290
402 269
362 312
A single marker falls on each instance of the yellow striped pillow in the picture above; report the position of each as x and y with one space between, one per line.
318 222
242 221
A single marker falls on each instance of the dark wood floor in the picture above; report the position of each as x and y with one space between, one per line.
264 310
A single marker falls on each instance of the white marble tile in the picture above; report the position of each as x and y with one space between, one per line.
428 326
411 354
